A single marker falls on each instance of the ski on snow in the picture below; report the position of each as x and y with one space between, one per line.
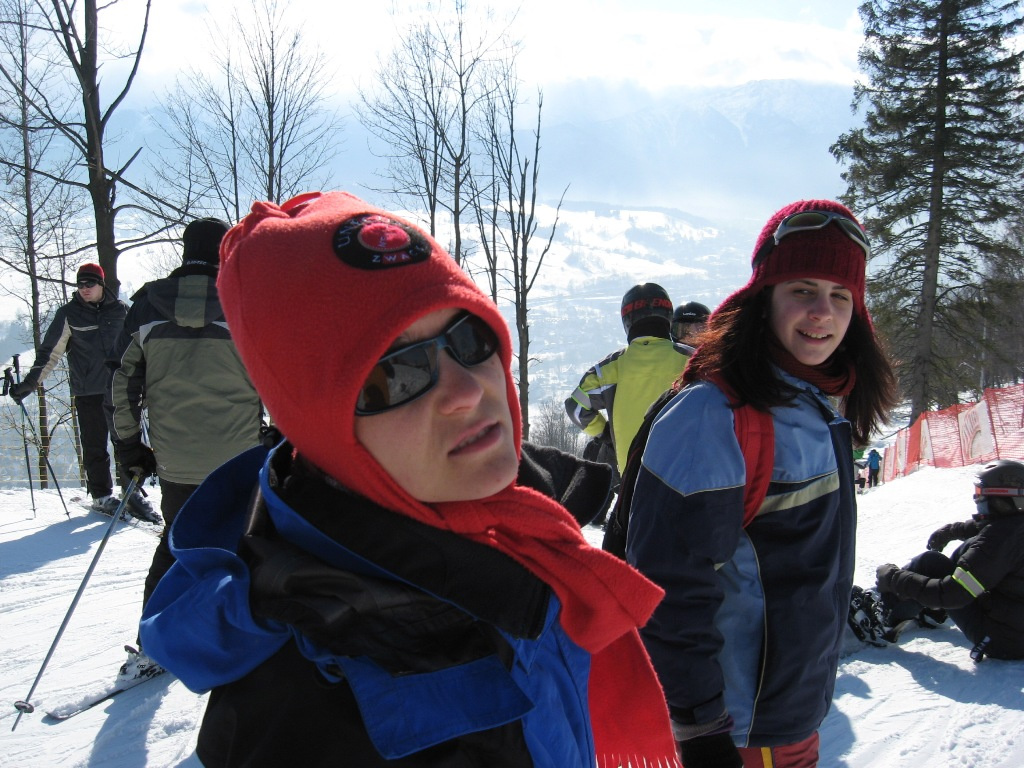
141 525
102 693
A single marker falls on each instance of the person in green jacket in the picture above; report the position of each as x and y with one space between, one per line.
176 358
626 382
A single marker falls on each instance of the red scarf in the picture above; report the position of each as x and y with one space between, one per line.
603 600
836 376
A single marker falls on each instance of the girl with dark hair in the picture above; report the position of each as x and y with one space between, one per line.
747 640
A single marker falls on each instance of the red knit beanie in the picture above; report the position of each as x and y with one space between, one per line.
91 272
315 291
823 254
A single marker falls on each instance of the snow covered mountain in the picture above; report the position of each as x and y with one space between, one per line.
599 252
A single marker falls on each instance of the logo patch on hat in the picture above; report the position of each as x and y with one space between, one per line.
372 241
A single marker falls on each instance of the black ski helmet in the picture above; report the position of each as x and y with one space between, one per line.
691 312
645 300
1001 484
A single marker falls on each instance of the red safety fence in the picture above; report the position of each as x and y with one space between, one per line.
969 433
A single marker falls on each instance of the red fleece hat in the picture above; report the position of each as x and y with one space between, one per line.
315 291
823 254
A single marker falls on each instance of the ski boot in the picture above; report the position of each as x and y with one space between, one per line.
866 618
107 505
137 666
138 506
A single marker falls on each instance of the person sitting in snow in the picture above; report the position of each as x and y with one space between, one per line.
981 585
379 588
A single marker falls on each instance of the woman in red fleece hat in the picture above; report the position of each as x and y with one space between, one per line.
746 642
394 593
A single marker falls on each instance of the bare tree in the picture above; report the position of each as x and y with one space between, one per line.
260 128
36 208
555 429
423 108
507 213
76 32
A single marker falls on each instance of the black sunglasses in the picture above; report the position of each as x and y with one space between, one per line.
406 373
88 283
810 220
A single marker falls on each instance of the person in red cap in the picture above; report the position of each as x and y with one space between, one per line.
747 640
85 329
400 581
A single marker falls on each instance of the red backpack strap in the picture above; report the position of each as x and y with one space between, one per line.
755 432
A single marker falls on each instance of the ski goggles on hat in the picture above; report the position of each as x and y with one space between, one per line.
807 221
406 373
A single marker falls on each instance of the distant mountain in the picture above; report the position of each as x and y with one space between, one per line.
670 186
599 252
720 153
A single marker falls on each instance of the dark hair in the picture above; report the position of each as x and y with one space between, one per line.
734 349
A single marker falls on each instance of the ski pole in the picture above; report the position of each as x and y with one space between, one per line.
24 432
46 455
26 706
49 466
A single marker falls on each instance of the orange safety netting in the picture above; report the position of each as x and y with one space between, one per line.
967 433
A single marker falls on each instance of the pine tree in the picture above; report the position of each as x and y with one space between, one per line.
934 168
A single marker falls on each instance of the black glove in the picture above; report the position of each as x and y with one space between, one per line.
137 458
714 751
940 538
19 392
954 532
402 628
885 575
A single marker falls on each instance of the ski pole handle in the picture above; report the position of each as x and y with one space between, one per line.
17 367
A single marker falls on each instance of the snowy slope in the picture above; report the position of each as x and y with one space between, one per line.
923 703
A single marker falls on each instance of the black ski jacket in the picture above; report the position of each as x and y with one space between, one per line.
989 570
86 332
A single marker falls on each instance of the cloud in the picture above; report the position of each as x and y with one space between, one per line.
658 43
665 49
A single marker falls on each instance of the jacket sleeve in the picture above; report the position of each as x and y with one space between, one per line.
582 487
686 518
590 397
52 348
128 384
198 622
981 566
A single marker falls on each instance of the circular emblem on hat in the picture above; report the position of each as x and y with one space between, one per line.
374 241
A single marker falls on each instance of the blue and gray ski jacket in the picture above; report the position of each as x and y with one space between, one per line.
752 621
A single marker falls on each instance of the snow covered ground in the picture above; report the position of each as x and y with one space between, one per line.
921 703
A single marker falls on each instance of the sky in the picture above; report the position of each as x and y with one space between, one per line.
922 702
659 43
